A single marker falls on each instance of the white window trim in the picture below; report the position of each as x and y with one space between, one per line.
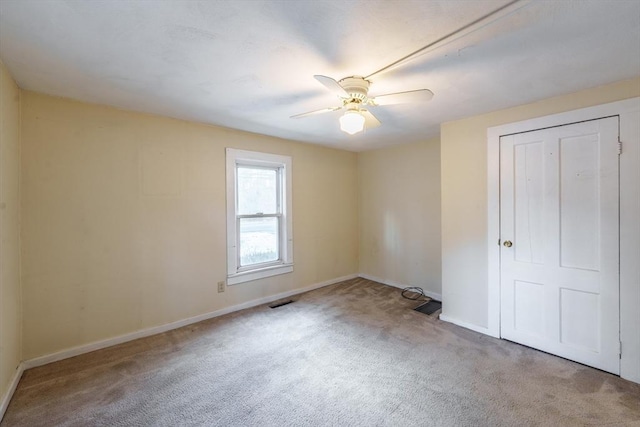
236 275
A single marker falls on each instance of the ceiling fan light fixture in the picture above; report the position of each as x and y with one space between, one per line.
352 122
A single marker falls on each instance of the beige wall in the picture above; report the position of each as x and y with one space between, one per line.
123 220
10 302
400 215
123 216
464 195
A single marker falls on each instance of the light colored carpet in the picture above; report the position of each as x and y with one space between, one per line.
351 354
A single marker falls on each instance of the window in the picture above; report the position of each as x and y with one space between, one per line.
259 226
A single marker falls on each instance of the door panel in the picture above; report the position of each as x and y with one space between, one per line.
559 207
579 318
528 299
579 201
529 186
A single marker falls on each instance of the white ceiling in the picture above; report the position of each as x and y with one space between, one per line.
249 64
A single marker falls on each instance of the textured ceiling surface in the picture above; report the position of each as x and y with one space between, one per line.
249 64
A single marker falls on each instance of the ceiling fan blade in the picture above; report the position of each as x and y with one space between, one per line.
370 121
420 95
332 85
311 113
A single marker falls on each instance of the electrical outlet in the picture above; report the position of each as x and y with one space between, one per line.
220 286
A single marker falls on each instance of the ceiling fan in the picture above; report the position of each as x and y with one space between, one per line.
353 93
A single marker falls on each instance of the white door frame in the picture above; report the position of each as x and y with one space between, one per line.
629 113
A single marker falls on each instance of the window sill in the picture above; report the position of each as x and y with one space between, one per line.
247 276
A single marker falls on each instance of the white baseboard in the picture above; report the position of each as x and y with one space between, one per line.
6 398
97 345
428 293
475 328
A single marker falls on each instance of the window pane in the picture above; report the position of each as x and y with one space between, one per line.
258 240
257 190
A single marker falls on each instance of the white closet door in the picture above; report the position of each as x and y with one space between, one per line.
560 241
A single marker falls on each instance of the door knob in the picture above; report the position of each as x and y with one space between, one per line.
508 243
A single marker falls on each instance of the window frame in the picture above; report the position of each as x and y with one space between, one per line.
279 170
235 272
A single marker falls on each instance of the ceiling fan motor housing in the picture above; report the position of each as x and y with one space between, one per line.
357 88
